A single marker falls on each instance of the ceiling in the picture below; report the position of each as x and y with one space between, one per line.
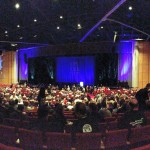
53 22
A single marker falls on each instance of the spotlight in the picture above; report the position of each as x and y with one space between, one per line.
17 5
58 28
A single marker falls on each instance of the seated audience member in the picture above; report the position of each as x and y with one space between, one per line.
93 113
123 106
142 97
3 110
115 108
104 112
84 123
57 121
14 97
18 114
132 118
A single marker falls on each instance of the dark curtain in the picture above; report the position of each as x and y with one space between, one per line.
107 69
41 70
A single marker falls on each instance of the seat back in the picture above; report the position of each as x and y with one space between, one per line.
148 120
145 147
12 122
8 135
102 128
5 147
30 140
113 125
109 119
116 140
139 136
88 141
58 141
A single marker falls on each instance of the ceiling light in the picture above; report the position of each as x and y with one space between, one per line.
13 44
35 36
17 5
18 26
102 27
61 17
6 35
79 26
139 39
58 28
130 8
6 32
21 38
35 20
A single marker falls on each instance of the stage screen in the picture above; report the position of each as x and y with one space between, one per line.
75 69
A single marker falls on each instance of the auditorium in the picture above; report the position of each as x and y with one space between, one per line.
75 75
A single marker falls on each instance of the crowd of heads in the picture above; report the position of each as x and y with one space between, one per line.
93 98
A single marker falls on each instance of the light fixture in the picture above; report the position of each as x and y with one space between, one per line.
35 20
13 44
58 27
130 8
102 27
17 5
79 26
6 32
35 36
18 26
21 38
139 39
61 17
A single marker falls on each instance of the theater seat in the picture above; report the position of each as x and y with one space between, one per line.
58 141
139 136
113 125
145 147
116 140
8 135
88 141
30 140
5 147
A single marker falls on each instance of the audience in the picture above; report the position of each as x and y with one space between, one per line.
90 106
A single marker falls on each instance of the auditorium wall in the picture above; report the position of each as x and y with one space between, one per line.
8 72
133 60
143 68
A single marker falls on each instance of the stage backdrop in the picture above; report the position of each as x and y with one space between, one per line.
75 69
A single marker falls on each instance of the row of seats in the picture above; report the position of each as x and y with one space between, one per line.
111 123
37 140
